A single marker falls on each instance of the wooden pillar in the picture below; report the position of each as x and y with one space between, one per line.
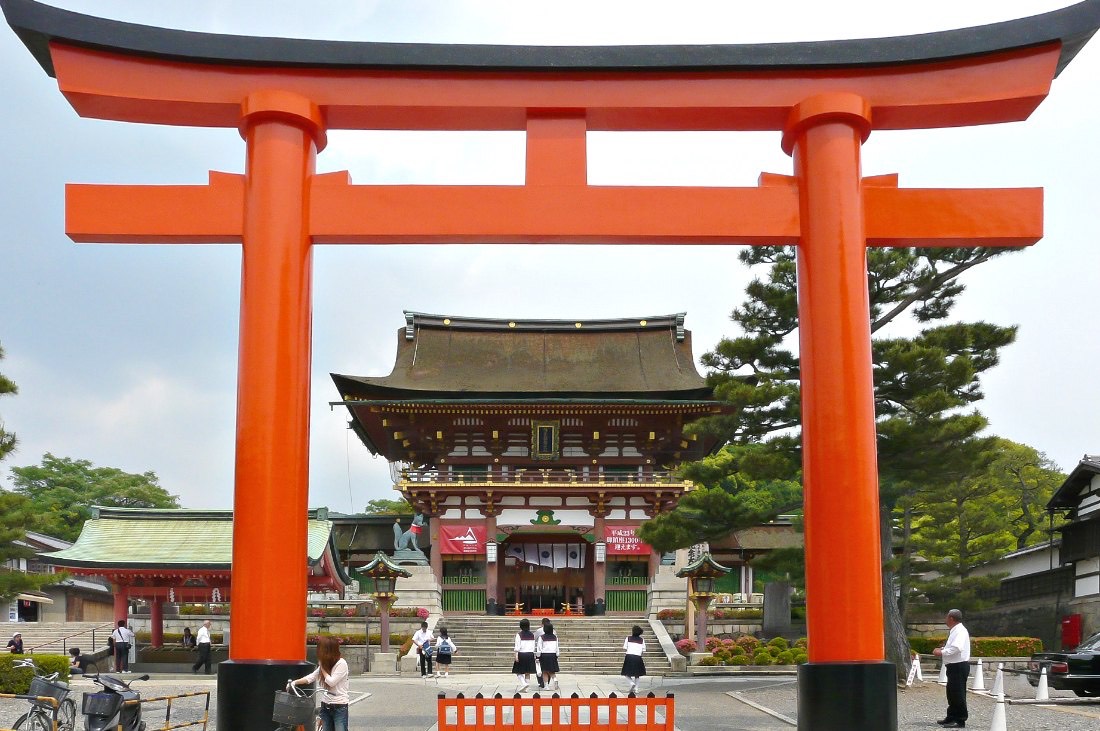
599 568
846 681
121 603
491 569
843 569
283 132
435 557
156 622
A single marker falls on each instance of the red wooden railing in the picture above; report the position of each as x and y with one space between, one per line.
625 713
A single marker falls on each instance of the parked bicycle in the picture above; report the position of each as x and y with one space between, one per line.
295 708
117 707
41 715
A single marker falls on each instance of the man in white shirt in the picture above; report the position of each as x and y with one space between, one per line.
124 640
202 642
422 639
955 655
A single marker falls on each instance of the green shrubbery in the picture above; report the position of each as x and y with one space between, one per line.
748 650
18 680
984 646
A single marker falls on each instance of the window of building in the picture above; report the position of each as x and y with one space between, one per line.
544 439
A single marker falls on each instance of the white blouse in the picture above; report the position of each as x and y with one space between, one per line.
634 648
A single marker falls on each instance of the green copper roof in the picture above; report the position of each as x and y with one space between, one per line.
142 538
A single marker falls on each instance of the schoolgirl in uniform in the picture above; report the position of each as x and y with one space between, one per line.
547 649
633 667
524 649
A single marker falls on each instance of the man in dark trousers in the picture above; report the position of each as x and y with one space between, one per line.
955 655
202 642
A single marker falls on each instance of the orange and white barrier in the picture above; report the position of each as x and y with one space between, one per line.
613 713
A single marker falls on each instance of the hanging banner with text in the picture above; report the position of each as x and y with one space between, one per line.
462 539
621 540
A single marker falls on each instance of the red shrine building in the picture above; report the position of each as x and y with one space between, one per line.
536 448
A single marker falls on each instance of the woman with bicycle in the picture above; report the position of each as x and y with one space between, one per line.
332 670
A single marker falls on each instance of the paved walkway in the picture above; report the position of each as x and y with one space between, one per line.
702 704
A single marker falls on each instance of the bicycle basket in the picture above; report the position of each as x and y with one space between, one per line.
52 689
292 710
100 704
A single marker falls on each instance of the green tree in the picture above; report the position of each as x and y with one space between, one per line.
7 439
62 492
16 512
923 382
1025 479
382 506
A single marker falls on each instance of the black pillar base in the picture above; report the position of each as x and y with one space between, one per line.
845 696
246 691
491 607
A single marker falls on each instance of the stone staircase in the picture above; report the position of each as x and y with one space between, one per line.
55 638
590 645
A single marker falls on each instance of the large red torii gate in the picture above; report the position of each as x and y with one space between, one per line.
824 97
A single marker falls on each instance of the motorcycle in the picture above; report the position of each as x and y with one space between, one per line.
110 709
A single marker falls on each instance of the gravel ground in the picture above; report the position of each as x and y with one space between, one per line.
703 704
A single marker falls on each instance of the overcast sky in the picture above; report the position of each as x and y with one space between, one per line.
126 355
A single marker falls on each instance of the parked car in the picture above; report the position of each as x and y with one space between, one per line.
1077 670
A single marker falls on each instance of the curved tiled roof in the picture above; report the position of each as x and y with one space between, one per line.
470 358
140 538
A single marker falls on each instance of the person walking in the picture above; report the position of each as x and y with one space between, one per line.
124 639
524 649
955 655
633 666
445 648
202 641
422 638
547 649
332 670
538 666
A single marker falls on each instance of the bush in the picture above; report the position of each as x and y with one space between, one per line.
773 650
359 638
422 612
778 642
802 642
763 658
736 613
406 646
709 661
984 646
18 680
800 657
712 644
741 660
666 614
748 642
737 650
685 646
785 658
204 609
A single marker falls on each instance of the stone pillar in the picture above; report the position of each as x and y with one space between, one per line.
436 555
121 603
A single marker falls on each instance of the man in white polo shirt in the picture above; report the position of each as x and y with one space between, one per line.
955 655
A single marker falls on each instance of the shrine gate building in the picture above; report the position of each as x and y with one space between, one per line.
536 448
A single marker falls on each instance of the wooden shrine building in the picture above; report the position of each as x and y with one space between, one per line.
536 448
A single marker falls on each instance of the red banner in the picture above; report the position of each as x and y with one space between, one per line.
620 539
462 539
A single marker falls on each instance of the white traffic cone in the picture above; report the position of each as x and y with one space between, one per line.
999 723
920 674
942 680
1042 693
999 680
979 678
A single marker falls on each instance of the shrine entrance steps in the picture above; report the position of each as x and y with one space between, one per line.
590 645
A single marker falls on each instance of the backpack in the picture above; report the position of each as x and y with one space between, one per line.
445 647
428 648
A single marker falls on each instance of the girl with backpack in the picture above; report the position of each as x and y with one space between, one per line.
444 648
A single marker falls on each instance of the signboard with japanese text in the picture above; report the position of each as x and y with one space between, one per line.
462 539
621 540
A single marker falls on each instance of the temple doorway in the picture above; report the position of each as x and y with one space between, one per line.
545 575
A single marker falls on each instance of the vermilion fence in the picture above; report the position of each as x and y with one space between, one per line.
626 713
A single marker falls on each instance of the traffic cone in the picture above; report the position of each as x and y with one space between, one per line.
979 679
1042 693
920 673
999 680
999 723
942 680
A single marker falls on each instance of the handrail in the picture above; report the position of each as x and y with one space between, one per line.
62 640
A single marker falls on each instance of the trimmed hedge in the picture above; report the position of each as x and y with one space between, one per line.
18 680
352 638
984 646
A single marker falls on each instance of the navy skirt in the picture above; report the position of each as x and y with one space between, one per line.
633 667
525 665
548 661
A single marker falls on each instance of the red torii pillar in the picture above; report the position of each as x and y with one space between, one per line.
824 100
